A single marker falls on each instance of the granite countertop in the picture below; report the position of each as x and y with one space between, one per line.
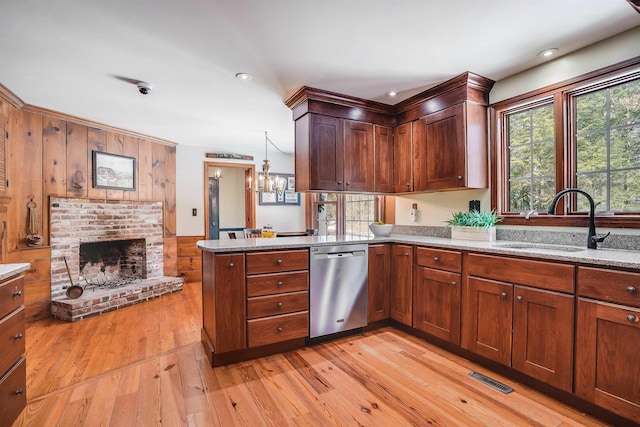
8 270
603 257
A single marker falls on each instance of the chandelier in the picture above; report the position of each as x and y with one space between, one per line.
267 183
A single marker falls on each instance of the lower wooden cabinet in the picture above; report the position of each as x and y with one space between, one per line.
379 282
13 392
402 283
525 327
607 337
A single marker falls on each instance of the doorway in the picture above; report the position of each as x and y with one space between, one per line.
229 200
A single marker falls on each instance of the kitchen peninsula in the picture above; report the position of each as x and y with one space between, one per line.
480 300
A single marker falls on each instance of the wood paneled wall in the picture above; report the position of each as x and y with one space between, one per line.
189 259
48 154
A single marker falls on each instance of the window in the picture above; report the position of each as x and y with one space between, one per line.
344 214
584 134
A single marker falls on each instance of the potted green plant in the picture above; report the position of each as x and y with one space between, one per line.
473 225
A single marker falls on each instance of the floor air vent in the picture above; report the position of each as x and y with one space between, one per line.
491 382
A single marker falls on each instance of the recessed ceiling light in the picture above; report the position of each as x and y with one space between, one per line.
244 76
548 52
392 93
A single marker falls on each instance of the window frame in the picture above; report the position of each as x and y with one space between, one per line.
312 210
562 95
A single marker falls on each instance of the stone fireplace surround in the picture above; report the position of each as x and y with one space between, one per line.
75 221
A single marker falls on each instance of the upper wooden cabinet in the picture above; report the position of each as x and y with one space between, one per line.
439 139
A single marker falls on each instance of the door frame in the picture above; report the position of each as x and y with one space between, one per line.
249 194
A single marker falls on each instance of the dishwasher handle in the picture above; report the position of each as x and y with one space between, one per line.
335 255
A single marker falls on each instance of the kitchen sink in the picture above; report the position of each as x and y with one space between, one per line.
537 247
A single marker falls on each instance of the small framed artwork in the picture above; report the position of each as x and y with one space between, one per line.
114 171
286 197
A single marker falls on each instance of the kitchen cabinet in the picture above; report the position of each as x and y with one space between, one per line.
436 303
379 282
450 149
382 159
607 333
338 154
520 313
402 283
253 300
13 379
403 158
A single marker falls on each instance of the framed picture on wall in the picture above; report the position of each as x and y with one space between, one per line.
287 197
114 171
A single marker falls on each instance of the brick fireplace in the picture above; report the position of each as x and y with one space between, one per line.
119 238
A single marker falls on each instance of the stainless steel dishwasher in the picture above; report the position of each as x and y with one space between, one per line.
338 289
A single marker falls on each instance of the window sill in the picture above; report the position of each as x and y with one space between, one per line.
615 221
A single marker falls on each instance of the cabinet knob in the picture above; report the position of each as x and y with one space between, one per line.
503 294
279 282
406 254
17 293
279 262
19 391
459 177
408 184
519 297
348 182
279 328
632 318
436 259
339 182
17 337
454 283
631 289
230 265
279 304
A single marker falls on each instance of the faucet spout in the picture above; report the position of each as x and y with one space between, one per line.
592 238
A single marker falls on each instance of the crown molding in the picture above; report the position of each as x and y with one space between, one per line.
13 99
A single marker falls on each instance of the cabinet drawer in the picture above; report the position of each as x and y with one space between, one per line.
275 329
273 262
267 284
11 339
13 387
439 259
539 274
273 305
609 285
11 295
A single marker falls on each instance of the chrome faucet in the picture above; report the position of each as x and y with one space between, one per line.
592 237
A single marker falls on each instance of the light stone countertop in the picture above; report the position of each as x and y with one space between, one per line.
8 270
601 257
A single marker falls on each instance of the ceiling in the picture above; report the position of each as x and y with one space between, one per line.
76 57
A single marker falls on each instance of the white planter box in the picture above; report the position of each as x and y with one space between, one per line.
474 233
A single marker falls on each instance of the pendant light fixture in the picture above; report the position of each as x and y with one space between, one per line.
266 183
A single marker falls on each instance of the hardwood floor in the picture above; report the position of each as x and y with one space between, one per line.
144 366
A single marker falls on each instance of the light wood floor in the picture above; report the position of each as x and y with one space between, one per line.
144 366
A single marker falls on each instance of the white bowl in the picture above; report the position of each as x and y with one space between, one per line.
380 230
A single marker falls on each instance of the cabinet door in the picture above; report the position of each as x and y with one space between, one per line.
358 156
444 133
607 368
543 335
379 282
402 278
487 319
326 153
402 159
382 159
436 303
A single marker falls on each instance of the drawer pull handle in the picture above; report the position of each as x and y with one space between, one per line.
406 254
279 328
17 337
17 293
279 304
230 265
459 177
503 294
279 282
19 391
454 283
436 259
631 289
519 297
279 262
632 318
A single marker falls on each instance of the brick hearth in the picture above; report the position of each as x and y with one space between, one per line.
98 300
